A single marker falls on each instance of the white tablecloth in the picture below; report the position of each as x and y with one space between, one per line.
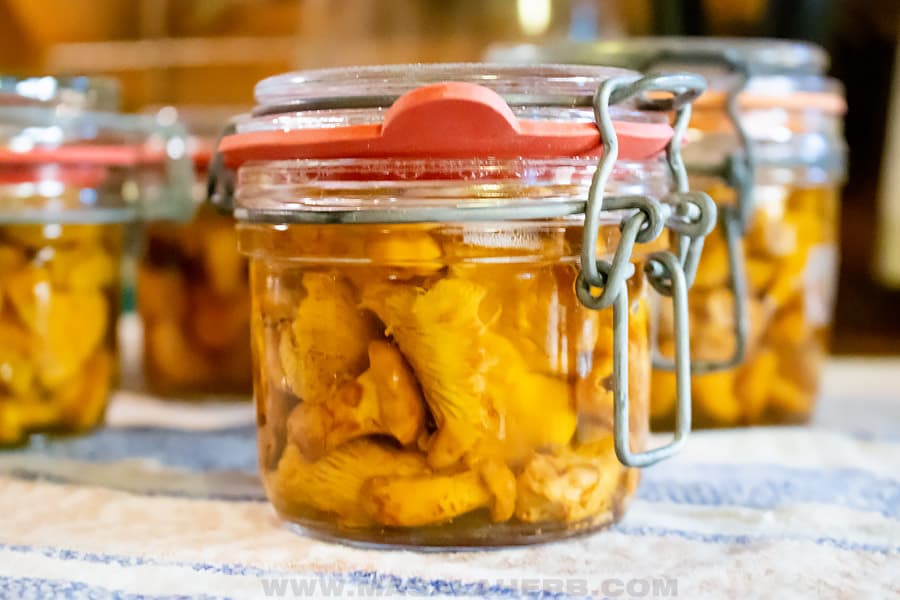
165 501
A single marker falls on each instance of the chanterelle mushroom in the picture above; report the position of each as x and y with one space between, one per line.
534 307
411 501
383 400
538 410
328 341
570 484
71 325
332 484
440 333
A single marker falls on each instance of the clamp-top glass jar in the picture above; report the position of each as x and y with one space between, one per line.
427 369
70 178
193 293
766 143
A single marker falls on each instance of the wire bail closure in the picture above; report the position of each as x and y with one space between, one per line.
602 284
738 172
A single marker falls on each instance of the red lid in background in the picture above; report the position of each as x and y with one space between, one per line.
74 144
201 153
71 175
119 155
78 165
447 120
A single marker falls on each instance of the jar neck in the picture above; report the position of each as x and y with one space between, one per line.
66 194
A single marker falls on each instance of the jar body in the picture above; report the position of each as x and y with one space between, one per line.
194 302
438 384
59 304
790 257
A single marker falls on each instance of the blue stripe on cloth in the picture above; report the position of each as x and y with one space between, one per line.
225 449
763 487
873 436
357 580
136 561
33 588
232 449
767 486
389 582
754 485
209 491
747 539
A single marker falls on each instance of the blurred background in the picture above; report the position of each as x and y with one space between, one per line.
211 52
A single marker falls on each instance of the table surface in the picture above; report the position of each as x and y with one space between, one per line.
165 501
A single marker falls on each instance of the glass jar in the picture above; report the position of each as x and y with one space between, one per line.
425 373
766 143
70 180
193 293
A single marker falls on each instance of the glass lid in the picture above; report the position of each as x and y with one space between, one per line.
357 95
439 110
373 86
77 92
770 73
762 56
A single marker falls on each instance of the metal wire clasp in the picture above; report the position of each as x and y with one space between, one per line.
739 169
602 284
220 179
738 172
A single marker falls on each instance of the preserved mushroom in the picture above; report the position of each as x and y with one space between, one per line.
59 293
413 399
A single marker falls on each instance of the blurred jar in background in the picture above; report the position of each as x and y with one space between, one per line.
193 296
761 304
70 182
